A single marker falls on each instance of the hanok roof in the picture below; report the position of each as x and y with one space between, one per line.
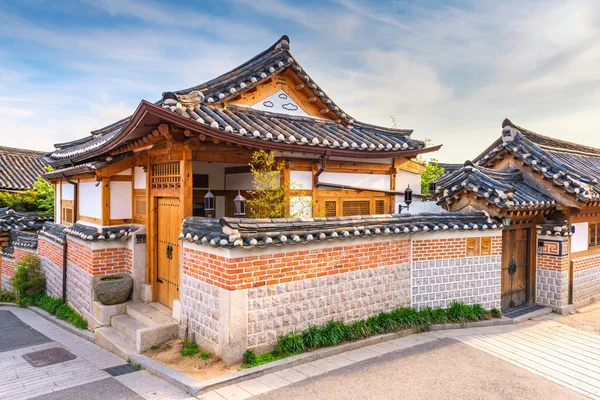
20 168
248 233
573 167
503 188
13 220
206 109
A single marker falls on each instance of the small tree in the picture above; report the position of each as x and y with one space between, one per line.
267 199
29 280
432 173
45 195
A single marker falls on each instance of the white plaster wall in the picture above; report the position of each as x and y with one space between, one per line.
405 178
120 200
67 191
90 199
125 172
57 203
301 206
369 181
417 206
219 206
580 239
239 181
139 177
215 172
301 180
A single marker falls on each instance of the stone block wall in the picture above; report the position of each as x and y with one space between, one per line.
51 259
200 308
552 272
442 273
586 278
8 272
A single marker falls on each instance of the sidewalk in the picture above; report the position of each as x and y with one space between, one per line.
71 367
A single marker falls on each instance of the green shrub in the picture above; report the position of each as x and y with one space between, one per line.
55 306
289 344
7 297
250 357
205 355
333 333
495 313
29 280
189 348
312 338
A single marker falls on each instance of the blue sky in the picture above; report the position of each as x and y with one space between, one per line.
452 71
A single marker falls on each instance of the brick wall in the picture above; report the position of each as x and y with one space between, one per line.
51 259
99 262
586 278
258 270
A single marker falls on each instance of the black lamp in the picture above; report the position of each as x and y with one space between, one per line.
432 187
239 205
209 204
407 199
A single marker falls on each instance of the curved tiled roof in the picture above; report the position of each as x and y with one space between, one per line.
92 233
503 188
12 220
249 233
20 168
554 228
53 231
574 168
205 104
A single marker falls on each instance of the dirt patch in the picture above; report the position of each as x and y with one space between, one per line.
194 367
585 318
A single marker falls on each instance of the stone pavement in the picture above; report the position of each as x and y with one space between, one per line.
87 375
543 359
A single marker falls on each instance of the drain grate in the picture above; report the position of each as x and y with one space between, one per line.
121 369
43 358
521 310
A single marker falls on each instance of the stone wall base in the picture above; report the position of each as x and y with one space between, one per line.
54 277
552 289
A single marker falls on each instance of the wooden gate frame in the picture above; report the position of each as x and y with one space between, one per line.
532 258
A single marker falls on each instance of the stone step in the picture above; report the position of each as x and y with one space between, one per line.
110 339
126 325
162 308
148 315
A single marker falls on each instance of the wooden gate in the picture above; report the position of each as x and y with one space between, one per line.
515 267
167 250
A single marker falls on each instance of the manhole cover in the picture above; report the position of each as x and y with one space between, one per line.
52 356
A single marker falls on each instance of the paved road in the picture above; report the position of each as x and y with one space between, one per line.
39 360
440 369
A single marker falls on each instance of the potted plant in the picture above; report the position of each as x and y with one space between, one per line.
112 289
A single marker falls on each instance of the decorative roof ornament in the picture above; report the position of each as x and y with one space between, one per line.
509 132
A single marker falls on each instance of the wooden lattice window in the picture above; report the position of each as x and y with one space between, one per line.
356 207
331 208
139 205
379 207
166 176
486 246
67 212
594 236
472 247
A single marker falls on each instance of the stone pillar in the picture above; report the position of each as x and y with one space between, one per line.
552 272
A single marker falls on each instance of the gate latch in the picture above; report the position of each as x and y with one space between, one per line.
169 252
512 267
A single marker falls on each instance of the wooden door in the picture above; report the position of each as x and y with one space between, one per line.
167 250
515 266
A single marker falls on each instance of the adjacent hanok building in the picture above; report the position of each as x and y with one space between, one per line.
20 168
547 193
159 195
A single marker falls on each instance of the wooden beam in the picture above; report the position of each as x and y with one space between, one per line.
117 167
105 184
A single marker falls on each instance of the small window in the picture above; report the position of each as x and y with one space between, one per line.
356 207
472 247
200 181
379 207
67 214
330 208
594 235
486 246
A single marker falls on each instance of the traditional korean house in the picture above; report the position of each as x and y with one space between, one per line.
546 192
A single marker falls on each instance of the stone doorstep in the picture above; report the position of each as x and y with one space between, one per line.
195 388
534 314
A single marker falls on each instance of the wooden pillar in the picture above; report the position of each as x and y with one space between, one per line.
186 197
315 191
105 201
284 180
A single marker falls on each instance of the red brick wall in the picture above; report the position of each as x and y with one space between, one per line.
99 262
8 266
445 249
586 263
252 271
553 263
51 250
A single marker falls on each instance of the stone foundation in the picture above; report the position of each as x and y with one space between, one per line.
8 272
586 279
471 280
51 259
200 308
552 288
79 289
275 310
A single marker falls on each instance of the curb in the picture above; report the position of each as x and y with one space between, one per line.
194 387
87 335
534 314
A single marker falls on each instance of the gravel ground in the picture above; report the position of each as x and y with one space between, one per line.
585 318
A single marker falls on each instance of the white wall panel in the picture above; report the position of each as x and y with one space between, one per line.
301 206
126 172
580 239
68 192
139 178
301 180
215 172
120 200
90 200
405 178
239 181
369 181
57 197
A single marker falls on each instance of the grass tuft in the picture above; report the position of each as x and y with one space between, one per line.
189 348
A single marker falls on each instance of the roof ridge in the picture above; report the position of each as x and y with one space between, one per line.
595 151
22 152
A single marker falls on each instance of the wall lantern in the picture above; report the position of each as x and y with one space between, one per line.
506 221
432 187
239 205
209 204
572 229
407 199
